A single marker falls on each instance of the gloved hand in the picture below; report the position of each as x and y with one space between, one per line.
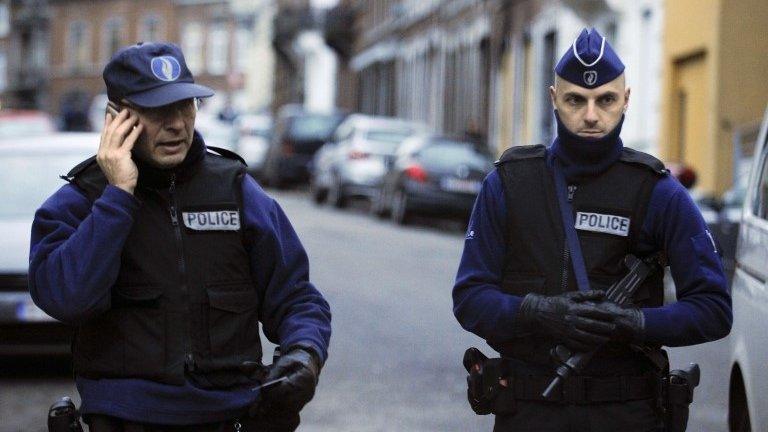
569 318
629 322
302 369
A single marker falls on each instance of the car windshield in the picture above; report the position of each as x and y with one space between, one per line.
28 180
24 126
385 141
448 153
313 127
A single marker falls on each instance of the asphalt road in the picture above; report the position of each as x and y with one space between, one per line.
395 357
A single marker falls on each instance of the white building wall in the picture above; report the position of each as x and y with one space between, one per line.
257 58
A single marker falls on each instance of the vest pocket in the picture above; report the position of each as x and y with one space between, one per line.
141 325
523 283
233 325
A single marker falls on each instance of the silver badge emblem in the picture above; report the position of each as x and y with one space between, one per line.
590 77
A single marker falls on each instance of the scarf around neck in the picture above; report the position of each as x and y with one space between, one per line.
585 157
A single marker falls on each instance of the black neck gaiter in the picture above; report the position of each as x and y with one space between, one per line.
154 177
586 157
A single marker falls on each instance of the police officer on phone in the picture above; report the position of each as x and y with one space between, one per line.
516 285
166 256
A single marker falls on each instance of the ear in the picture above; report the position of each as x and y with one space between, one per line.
626 98
552 96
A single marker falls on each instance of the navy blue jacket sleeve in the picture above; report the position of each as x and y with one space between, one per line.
75 251
293 311
703 309
478 301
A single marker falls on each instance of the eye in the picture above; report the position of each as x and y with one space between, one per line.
607 100
574 100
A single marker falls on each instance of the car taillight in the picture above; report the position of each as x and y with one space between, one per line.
287 148
416 173
357 154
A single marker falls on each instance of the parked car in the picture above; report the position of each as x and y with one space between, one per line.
24 123
734 382
353 164
216 132
253 134
433 175
297 135
30 174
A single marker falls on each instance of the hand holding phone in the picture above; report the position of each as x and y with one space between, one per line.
120 132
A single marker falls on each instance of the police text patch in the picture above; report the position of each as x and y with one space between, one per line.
603 223
214 220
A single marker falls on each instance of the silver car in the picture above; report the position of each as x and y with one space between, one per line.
30 174
355 162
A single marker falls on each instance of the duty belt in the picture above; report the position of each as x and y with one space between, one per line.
582 389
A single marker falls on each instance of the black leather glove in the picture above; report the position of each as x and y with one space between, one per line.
302 369
568 318
629 322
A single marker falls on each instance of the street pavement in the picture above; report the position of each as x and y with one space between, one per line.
396 349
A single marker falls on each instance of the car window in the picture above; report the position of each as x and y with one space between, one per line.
313 127
761 194
447 153
28 180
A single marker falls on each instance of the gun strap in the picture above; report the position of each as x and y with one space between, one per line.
566 213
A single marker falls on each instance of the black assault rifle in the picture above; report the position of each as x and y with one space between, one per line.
621 293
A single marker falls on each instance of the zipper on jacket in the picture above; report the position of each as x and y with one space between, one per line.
566 250
189 358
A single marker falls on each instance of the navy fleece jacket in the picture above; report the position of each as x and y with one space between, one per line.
673 223
75 258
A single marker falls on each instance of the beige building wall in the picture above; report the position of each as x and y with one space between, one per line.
714 64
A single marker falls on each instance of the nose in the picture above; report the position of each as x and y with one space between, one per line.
174 120
591 115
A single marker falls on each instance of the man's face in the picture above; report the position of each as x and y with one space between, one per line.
168 133
590 113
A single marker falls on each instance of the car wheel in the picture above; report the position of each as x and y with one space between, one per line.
319 195
336 194
378 208
400 214
738 409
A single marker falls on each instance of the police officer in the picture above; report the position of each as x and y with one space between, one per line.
516 286
165 255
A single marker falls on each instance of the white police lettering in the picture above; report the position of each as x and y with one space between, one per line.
603 223
215 220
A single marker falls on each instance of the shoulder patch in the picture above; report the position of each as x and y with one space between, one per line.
79 168
229 154
522 152
636 157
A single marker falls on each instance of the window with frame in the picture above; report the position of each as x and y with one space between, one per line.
112 38
79 45
192 46
218 48
761 194
150 28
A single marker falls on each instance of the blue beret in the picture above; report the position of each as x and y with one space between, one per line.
590 62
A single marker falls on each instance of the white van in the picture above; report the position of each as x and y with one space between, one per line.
733 394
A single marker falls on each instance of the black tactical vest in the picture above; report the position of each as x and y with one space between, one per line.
609 214
184 300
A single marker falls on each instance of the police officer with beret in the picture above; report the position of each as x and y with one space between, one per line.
517 284
166 256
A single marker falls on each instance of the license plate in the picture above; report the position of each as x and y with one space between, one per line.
451 184
28 311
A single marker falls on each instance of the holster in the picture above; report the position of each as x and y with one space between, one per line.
484 391
678 387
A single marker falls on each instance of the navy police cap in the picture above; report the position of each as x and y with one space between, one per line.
590 62
151 75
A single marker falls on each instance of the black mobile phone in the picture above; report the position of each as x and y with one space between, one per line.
113 109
